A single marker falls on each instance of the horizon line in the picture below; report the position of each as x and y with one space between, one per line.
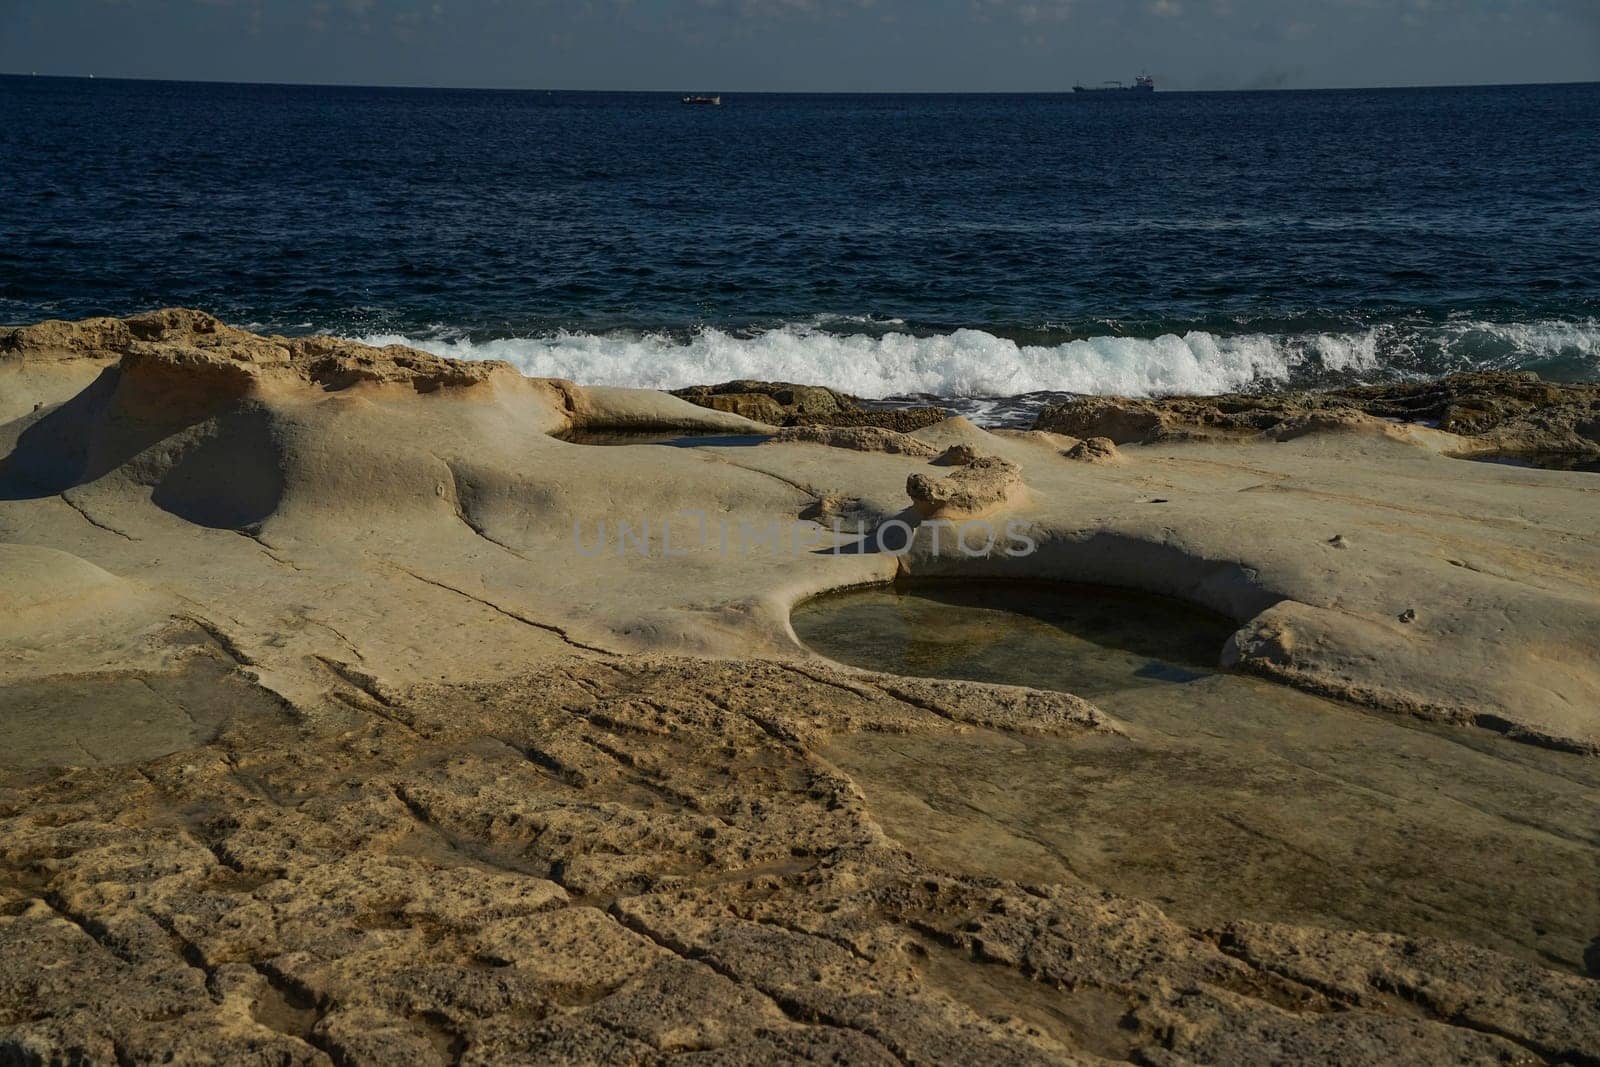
765 92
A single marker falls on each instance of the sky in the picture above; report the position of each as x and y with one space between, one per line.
810 45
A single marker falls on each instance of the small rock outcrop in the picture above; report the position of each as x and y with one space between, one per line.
338 364
54 340
978 488
1120 419
1093 450
774 403
830 506
108 338
956 456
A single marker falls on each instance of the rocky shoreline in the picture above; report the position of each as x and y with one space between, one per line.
1506 412
1510 412
331 737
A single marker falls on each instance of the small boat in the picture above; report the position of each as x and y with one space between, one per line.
1144 83
704 101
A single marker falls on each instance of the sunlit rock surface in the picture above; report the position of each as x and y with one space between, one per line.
342 721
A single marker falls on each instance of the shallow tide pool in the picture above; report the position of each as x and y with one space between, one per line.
1231 797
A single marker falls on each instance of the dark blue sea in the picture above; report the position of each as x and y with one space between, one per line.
959 246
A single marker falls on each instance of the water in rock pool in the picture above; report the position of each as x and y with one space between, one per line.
1229 796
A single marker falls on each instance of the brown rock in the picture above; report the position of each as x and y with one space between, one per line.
787 404
390 895
831 506
986 483
956 456
1093 450
1115 418
900 420
858 439
179 352
1510 411
1555 1014
56 340
774 403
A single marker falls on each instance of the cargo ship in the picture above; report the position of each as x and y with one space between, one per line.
1144 83
704 100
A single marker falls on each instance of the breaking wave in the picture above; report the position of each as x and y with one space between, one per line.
971 363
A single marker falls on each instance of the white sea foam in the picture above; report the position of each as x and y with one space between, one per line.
963 363
973 363
1529 342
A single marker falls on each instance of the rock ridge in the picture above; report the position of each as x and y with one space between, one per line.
1513 411
196 345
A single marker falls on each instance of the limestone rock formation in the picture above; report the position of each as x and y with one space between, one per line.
1500 410
787 404
342 723
856 439
184 346
957 455
978 488
1093 450
900 420
645 860
773 403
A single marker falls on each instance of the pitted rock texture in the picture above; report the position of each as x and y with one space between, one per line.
787 404
857 439
977 488
1093 450
641 862
900 420
1501 410
956 456
178 344
769 402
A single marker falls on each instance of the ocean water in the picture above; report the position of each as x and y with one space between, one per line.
991 250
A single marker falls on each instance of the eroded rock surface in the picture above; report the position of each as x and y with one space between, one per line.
957 455
857 439
344 747
787 404
976 488
191 346
643 860
1498 410
900 420
1093 450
